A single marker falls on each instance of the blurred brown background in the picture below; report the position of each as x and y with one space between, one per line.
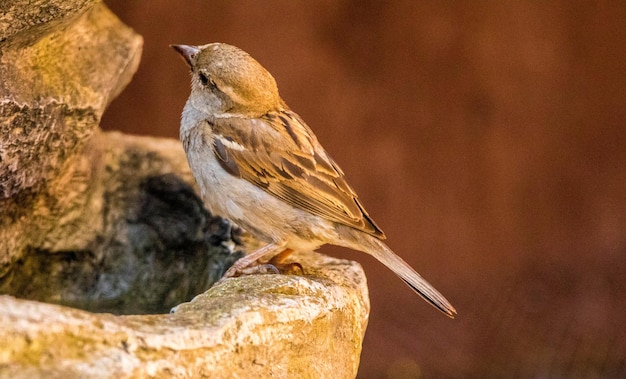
487 140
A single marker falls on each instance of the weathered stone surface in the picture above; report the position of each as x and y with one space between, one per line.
36 16
61 63
130 218
54 90
86 218
276 326
56 82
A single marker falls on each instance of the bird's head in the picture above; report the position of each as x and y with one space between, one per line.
227 80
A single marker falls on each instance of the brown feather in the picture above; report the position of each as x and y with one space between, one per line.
290 164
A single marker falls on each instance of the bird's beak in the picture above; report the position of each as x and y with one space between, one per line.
187 52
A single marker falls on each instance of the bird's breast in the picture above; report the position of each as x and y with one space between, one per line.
251 207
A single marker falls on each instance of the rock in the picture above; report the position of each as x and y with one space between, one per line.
277 326
36 16
88 217
61 64
54 90
133 218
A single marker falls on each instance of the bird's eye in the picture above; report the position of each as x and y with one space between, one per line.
207 81
204 79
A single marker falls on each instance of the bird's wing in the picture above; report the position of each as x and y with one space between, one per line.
280 154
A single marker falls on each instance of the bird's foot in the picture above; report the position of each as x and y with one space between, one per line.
278 261
276 265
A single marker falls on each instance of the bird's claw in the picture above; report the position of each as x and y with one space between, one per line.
275 265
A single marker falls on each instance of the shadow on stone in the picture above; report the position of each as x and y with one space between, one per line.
174 250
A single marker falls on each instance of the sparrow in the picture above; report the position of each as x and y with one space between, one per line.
259 164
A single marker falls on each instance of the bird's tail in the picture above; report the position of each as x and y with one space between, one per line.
379 250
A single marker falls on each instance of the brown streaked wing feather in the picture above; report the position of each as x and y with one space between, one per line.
280 154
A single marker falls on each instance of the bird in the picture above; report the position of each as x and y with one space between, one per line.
257 163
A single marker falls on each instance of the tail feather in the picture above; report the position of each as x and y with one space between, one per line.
379 250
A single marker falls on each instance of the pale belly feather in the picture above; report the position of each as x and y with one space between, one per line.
265 216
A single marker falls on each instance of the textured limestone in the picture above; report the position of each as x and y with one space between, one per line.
36 16
86 218
54 89
262 326
57 78
128 220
